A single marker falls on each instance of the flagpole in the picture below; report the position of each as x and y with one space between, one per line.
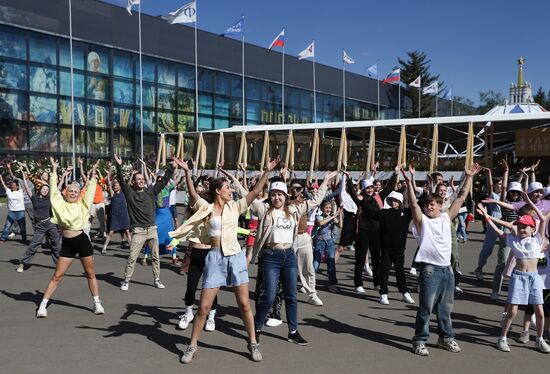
283 83
452 101
197 79
399 94
314 93
344 88
419 98
436 95
378 91
72 85
140 86
243 106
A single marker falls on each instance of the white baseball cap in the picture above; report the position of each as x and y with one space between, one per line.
366 183
515 186
534 186
279 186
393 195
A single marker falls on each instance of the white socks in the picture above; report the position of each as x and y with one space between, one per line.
212 314
44 302
96 299
189 309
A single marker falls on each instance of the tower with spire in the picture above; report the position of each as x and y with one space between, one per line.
520 92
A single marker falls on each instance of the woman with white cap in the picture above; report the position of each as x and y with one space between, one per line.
535 190
394 226
277 230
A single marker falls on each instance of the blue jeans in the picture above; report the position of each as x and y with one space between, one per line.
278 264
461 230
319 247
488 246
15 216
437 286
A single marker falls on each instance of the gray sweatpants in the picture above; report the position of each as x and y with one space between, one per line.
42 229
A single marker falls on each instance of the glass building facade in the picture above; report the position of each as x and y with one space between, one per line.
35 98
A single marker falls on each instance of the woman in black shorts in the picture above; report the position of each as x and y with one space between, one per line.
71 214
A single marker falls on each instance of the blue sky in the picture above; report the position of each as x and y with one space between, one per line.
473 45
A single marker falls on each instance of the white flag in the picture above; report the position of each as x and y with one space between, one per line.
131 3
431 89
415 83
346 58
308 52
185 14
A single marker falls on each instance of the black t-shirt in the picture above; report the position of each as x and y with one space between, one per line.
41 206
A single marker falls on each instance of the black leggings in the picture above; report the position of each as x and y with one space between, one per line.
196 267
367 240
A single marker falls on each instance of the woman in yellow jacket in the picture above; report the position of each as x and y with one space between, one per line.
71 215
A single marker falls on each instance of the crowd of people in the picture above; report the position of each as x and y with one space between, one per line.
290 227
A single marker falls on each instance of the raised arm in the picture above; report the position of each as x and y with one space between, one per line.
3 183
532 175
542 217
83 175
481 209
413 204
193 195
489 182
12 176
55 194
259 186
508 225
390 186
91 186
502 204
25 184
506 169
464 191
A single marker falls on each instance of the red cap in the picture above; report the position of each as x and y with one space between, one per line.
526 220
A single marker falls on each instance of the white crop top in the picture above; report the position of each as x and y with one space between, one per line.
282 231
214 226
525 248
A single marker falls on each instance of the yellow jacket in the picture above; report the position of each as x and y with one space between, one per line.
71 216
230 219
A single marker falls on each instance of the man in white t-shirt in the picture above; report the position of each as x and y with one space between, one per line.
432 230
16 210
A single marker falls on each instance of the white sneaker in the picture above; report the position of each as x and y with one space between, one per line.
20 268
413 272
41 312
360 290
368 270
185 320
98 308
273 322
542 345
458 290
125 286
407 298
210 325
502 345
384 299
351 248
314 300
159 285
302 290
11 235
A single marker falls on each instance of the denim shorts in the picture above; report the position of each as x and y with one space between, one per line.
525 288
220 270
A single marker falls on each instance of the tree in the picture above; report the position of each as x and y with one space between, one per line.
489 100
418 64
542 98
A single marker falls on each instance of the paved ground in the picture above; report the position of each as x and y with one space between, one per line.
350 334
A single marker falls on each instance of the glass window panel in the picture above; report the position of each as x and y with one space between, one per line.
65 112
223 84
236 86
150 146
13 136
13 75
252 89
43 138
148 121
123 118
166 122
252 111
42 49
167 74
123 65
98 115
43 79
149 95
123 91
205 123
13 106
65 55
221 123
205 104
222 106
13 43
236 108
98 142
185 122
65 84
167 98
97 60
186 76
292 97
97 87
186 101
65 139
148 68
123 142
271 93
206 80
43 109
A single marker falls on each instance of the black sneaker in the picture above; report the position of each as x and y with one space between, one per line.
297 339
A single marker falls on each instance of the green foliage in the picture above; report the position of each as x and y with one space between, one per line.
489 99
542 98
